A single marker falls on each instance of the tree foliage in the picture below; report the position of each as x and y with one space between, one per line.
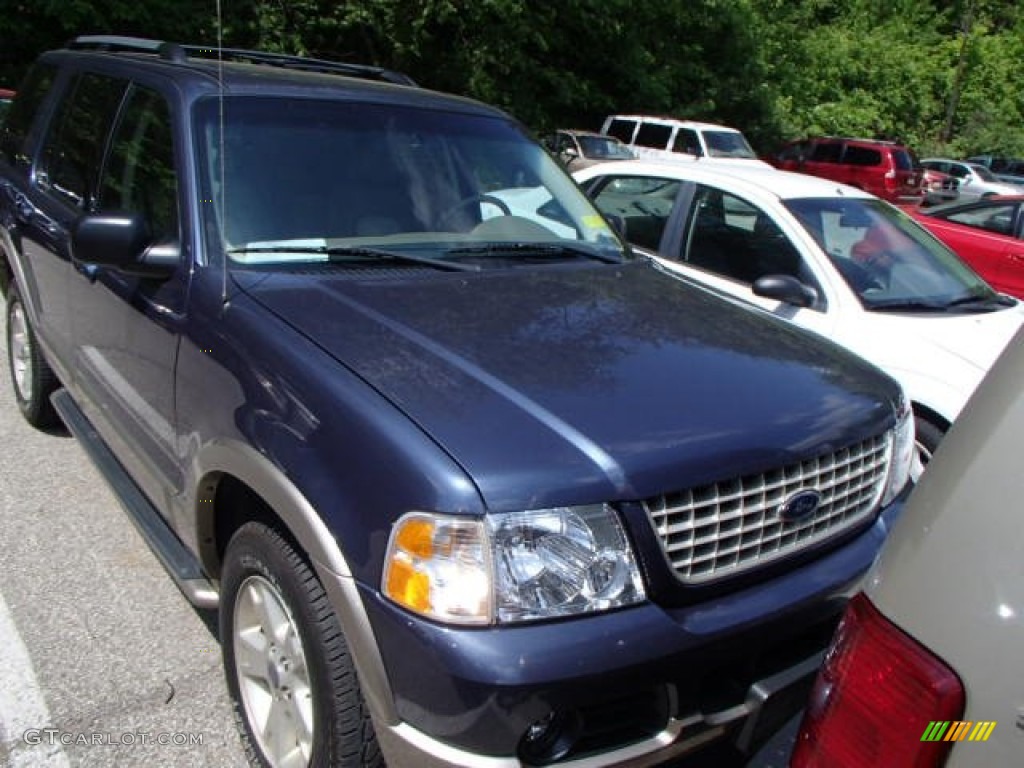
943 75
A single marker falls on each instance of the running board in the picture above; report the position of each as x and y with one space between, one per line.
180 563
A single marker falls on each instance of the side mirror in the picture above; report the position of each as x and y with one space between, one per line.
121 241
785 288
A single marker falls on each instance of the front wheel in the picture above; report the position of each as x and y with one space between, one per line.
31 375
297 700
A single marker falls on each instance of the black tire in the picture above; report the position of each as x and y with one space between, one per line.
32 378
927 436
307 672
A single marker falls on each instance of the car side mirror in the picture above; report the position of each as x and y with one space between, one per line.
121 241
785 288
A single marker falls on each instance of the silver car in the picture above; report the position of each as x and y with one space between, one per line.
975 180
927 661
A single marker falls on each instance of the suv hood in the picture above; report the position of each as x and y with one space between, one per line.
613 382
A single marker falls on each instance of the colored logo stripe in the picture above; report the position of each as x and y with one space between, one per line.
982 731
958 730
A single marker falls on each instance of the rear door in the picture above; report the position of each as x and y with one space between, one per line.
47 199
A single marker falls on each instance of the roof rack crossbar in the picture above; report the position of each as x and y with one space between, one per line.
180 53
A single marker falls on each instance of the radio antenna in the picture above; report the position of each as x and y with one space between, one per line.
222 202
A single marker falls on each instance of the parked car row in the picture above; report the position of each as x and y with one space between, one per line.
468 482
429 405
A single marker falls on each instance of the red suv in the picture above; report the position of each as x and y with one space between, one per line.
883 168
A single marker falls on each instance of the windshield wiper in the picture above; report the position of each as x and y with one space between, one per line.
977 303
533 250
359 252
982 303
910 305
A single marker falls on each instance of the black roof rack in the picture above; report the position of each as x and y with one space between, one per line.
177 52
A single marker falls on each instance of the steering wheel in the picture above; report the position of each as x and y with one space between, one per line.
861 277
497 202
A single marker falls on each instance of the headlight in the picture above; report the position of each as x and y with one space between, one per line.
512 567
904 452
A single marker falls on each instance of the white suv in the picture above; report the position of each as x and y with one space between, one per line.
666 138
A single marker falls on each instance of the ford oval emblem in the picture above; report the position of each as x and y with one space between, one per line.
799 506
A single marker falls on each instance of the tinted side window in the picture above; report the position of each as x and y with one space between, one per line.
70 162
140 174
733 238
687 141
903 160
15 133
622 130
653 135
826 152
862 155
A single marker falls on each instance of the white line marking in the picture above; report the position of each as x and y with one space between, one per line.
22 706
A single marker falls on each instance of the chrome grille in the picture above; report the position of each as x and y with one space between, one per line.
732 526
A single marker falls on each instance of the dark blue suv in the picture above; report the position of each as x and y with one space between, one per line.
469 484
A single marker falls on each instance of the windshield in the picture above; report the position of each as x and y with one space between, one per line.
604 148
296 180
983 173
728 144
888 260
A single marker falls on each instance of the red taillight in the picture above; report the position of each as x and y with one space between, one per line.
874 697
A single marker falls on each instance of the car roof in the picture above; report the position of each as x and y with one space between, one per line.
676 121
200 71
783 185
960 205
595 134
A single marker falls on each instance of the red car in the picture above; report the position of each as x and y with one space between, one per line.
887 169
988 234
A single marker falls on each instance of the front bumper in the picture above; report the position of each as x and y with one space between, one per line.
633 687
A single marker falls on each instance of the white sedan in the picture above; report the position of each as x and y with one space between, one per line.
828 257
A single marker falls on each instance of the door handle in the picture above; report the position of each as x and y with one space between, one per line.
1017 257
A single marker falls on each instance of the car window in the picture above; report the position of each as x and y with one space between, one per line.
959 171
983 173
687 142
603 147
73 150
291 179
140 174
992 218
733 238
14 134
826 152
885 257
904 159
622 129
653 135
641 203
867 156
728 144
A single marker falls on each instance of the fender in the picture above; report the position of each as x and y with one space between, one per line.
245 464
